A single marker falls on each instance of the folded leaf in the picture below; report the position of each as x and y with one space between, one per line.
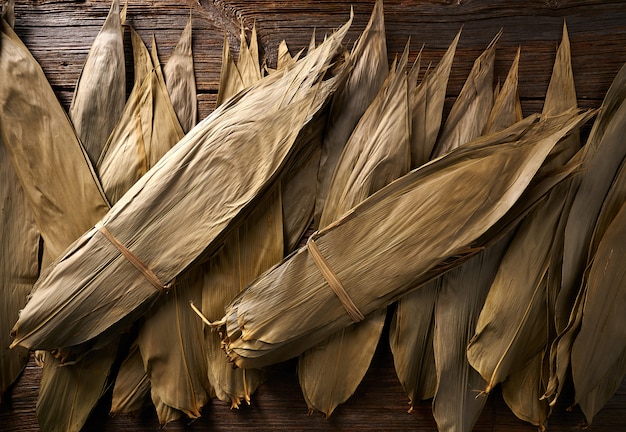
507 108
411 340
231 82
522 392
603 154
147 130
593 401
601 339
173 358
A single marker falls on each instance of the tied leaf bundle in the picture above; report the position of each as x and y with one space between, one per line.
254 338
141 259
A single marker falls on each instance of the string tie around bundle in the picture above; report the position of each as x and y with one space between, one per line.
134 260
333 281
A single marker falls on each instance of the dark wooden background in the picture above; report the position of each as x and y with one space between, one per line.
59 33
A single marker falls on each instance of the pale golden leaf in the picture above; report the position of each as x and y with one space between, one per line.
19 266
100 94
181 81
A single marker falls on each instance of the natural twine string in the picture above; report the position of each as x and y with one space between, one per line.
132 258
334 282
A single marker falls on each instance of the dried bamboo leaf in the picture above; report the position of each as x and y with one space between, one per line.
166 129
411 340
165 413
68 393
560 97
594 400
147 129
460 297
507 108
285 59
561 94
377 240
57 175
414 72
560 351
378 150
273 118
231 82
611 206
299 184
19 265
377 153
168 341
66 198
132 385
603 154
100 93
601 339
248 61
369 70
427 107
522 392
471 109
496 351
181 80
248 252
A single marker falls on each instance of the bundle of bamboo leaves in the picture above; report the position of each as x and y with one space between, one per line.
496 239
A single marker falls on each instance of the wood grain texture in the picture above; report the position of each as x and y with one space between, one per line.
59 34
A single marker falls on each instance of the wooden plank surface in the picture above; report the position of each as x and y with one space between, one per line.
59 34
